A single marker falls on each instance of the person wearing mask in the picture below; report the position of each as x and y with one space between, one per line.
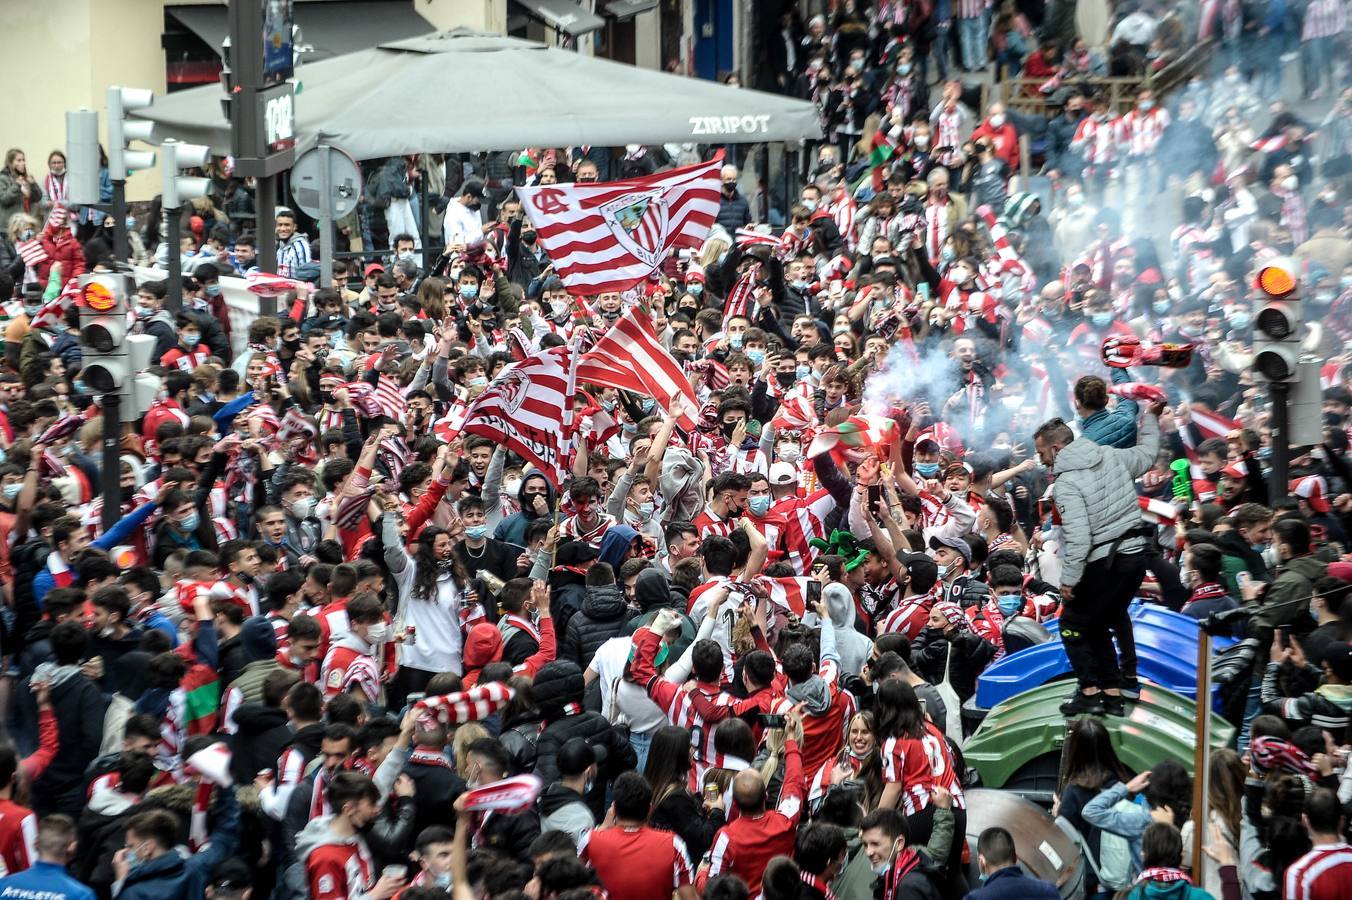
905 871
1105 556
332 850
734 211
150 866
463 224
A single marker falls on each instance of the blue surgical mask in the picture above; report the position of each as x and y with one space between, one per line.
475 532
759 506
645 510
1314 613
1101 319
189 522
803 372
735 341
695 288
12 490
213 290
943 572
191 340
1161 307
946 255
32 310
443 881
756 356
928 470
1241 321
79 387
1009 604
480 381
469 291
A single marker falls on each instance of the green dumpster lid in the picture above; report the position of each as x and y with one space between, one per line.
1161 725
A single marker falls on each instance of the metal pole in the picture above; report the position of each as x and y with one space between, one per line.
173 300
120 249
1280 436
424 220
111 463
1201 761
265 201
326 226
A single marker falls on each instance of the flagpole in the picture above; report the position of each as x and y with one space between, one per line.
566 448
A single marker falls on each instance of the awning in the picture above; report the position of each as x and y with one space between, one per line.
444 93
332 29
565 15
623 9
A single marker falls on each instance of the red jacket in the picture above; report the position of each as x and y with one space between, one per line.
1004 139
746 845
339 871
61 247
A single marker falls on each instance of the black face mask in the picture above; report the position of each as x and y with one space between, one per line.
528 239
728 428
326 397
786 379
682 356
128 494
293 346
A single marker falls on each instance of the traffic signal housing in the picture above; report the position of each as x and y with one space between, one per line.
179 189
1276 322
122 161
104 306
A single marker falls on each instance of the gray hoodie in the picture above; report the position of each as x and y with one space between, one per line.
319 833
853 647
1095 493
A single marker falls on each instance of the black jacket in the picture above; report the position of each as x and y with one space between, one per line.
971 654
233 659
557 685
79 707
511 835
733 212
600 619
437 789
567 591
261 736
682 813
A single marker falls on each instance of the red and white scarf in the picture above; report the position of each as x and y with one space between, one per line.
197 826
817 885
425 756
59 570
1163 874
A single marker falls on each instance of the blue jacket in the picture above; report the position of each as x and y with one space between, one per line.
121 531
44 881
173 876
1012 884
1114 427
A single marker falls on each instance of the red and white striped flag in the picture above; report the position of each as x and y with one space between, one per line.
1269 144
524 410
449 426
32 252
843 210
390 398
609 236
739 298
55 310
630 358
1209 423
749 236
787 593
795 413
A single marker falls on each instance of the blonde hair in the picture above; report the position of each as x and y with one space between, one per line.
464 736
20 221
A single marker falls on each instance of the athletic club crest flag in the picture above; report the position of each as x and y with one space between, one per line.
610 236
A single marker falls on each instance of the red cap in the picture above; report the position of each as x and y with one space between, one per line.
373 267
1313 491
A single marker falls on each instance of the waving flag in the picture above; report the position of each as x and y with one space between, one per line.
449 426
858 432
609 236
523 410
1135 390
630 358
511 795
788 593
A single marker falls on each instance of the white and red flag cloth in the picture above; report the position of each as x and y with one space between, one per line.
629 357
511 795
788 593
1135 390
449 426
1209 423
55 309
609 236
524 410
858 432
266 284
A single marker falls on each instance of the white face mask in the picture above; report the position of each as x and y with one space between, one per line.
1290 183
303 508
512 487
378 633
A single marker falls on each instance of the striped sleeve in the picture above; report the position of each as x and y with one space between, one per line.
719 856
28 847
683 872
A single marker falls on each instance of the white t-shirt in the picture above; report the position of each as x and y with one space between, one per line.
620 697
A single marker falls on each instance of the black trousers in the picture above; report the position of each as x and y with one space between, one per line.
1097 613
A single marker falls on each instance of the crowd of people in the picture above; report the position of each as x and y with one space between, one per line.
734 654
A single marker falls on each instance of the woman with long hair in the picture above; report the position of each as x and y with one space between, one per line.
907 775
521 721
1225 796
1088 765
431 589
858 760
675 807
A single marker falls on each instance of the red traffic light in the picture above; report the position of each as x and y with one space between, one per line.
98 297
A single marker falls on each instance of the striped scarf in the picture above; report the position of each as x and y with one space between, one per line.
54 188
1162 874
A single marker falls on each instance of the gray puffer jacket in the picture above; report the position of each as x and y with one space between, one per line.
1096 495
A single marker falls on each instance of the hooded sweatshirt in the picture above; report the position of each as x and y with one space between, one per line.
601 618
563 809
335 868
513 528
853 647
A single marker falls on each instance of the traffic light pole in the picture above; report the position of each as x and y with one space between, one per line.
1280 436
110 466
121 249
173 300
265 205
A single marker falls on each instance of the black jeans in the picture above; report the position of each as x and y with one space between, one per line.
1096 613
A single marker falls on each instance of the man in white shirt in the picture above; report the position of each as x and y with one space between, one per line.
463 224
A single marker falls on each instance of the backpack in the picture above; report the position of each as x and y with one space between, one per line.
1114 866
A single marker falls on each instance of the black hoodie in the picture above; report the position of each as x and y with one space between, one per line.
513 528
653 592
262 733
